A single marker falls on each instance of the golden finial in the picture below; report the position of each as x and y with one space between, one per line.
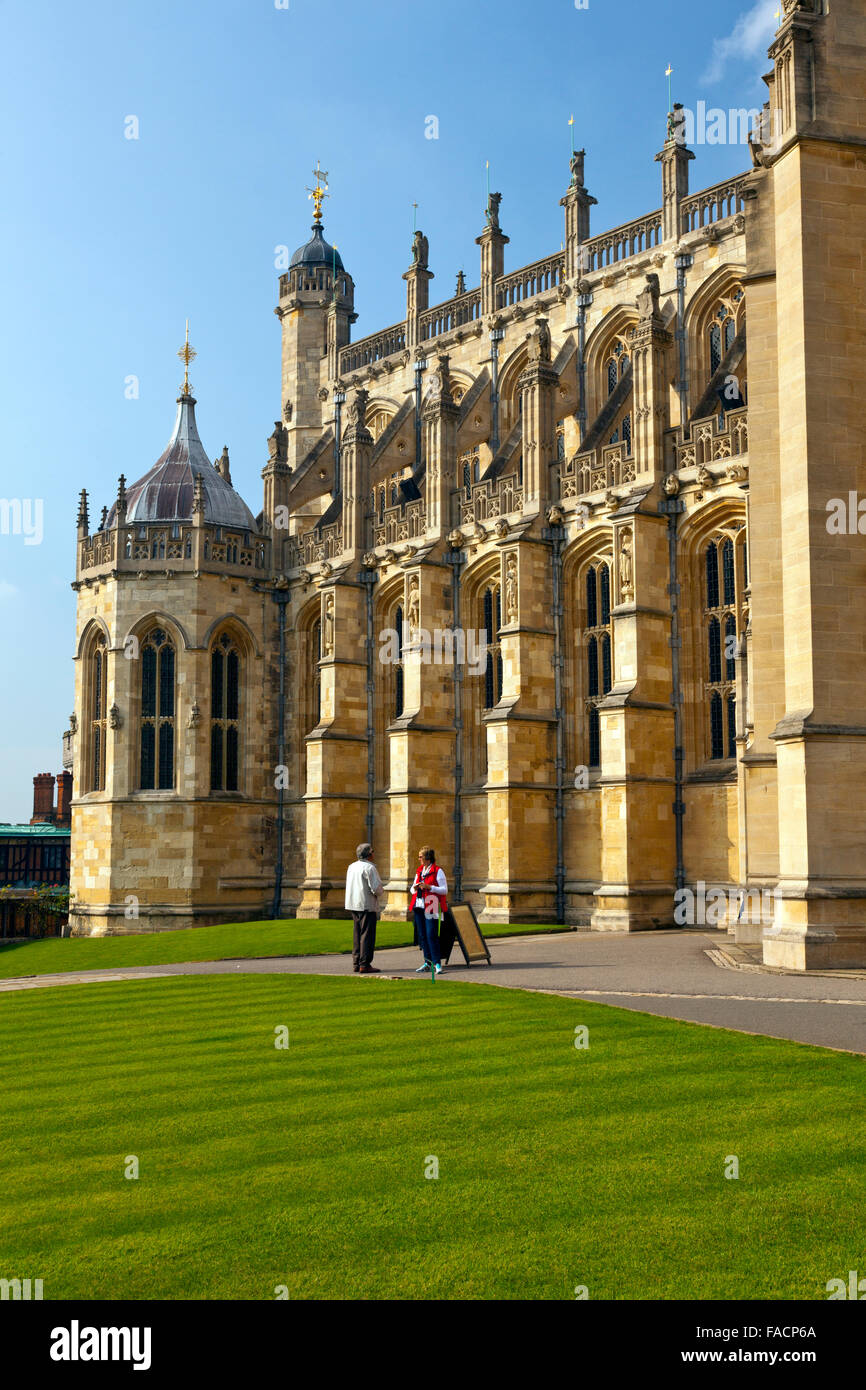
318 193
187 354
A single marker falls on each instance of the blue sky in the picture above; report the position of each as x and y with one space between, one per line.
108 244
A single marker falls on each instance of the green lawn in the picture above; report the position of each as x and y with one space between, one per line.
237 941
305 1167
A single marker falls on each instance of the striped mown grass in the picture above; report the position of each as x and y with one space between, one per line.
305 1167
235 941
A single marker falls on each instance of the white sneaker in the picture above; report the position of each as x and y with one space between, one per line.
423 968
438 969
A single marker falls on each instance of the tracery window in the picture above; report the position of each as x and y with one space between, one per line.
599 666
492 619
315 672
625 432
157 734
469 468
225 715
94 771
398 686
378 422
616 365
723 329
725 577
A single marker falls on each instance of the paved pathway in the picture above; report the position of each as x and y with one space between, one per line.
677 974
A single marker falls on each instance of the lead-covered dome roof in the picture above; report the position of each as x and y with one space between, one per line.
165 493
317 251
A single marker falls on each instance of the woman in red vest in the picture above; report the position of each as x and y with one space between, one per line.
429 895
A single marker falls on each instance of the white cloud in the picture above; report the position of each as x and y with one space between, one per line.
749 38
6 590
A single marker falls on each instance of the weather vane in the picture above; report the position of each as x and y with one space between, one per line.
187 354
318 193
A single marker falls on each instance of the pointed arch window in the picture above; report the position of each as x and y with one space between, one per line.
723 602
616 366
315 672
469 468
723 331
492 620
157 733
398 665
225 715
598 671
94 770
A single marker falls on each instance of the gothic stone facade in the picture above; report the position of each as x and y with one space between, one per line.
608 474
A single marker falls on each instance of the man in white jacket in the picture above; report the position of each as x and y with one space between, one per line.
363 890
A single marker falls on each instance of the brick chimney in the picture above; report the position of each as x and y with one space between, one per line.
64 797
43 799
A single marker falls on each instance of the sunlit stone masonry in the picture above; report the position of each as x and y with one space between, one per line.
545 570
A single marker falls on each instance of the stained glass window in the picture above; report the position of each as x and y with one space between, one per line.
95 770
493 668
398 668
225 714
157 742
721 629
599 654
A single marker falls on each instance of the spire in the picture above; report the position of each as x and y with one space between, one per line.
319 193
577 203
198 500
187 354
83 520
222 465
674 159
120 511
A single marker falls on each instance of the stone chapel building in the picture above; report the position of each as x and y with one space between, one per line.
543 576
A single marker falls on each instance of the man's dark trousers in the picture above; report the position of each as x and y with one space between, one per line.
363 939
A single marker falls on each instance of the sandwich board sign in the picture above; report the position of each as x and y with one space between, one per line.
460 924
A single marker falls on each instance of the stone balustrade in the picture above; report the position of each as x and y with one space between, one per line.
487 501
404 522
620 243
322 543
366 351
712 204
442 318
531 280
156 545
596 471
713 442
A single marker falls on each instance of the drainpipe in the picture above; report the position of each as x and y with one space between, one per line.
496 336
456 559
369 578
584 302
682 263
280 598
555 534
673 506
339 402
